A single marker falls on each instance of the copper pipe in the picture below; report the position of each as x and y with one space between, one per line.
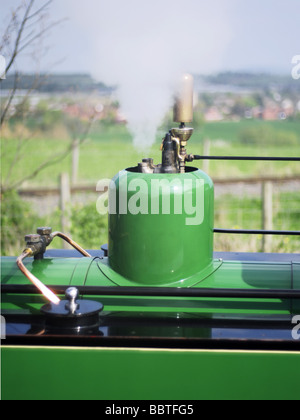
71 242
44 289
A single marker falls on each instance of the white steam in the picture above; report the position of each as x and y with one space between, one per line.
142 46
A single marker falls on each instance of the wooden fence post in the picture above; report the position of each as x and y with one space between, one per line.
65 202
267 214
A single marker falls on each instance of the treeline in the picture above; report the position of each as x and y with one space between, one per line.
261 81
85 83
55 83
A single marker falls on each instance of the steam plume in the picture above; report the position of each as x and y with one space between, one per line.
143 47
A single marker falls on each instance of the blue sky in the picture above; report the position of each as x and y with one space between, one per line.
100 36
266 35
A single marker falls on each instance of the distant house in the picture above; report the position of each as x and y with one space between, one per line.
271 113
213 114
83 112
277 111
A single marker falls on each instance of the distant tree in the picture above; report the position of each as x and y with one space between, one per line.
239 107
26 28
208 99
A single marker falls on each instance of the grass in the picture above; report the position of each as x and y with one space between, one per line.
109 149
229 131
105 158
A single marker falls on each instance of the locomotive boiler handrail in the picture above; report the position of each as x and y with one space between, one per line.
259 232
164 291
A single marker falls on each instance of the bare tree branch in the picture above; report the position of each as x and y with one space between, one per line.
38 81
29 38
27 30
41 9
22 140
48 28
56 158
9 101
10 28
19 36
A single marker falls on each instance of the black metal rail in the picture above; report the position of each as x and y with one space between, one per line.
259 232
253 158
265 158
161 292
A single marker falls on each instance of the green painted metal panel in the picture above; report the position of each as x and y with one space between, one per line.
49 270
147 374
226 274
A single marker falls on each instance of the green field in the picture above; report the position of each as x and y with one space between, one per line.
109 149
229 131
